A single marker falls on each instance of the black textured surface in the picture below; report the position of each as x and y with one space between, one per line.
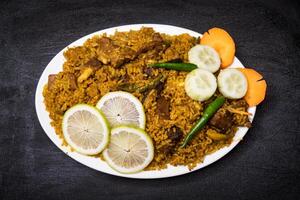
265 165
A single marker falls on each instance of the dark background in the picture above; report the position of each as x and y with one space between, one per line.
265 165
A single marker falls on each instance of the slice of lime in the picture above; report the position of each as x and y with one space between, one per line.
122 108
130 149
85 129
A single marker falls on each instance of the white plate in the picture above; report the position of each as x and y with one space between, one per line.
55 66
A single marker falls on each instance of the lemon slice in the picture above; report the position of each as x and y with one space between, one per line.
130 149
122 108
85 129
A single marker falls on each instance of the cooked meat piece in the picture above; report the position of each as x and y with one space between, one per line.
156 43
222 120
175 134
239 104
163 107
106 48
166 149
248 124
125 54
109 52
87 72
94 62
51 80
72 81
157 37
170 54
148 71
114 54
160 87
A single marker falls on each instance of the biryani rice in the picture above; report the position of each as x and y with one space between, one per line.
104 78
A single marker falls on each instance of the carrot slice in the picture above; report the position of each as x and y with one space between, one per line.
256 86
222 42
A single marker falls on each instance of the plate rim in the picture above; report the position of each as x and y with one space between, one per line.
171 171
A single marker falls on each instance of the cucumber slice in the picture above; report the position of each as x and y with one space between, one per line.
205 57
200 84
232 83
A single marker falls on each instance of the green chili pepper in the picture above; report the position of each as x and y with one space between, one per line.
207 114
131 87
152 84
175 66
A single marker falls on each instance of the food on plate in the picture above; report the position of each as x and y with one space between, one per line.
175 66
215 135
122 108
87 71
132 87
85 129
207 114
200 84
222 42
147 91
130 149
257 87
232 83
205 57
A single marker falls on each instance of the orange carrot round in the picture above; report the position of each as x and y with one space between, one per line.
222 42
256 86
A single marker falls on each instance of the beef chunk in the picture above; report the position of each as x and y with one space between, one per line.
222 120
160 87
68 77
148 71
71 80
156 43
248 124
239 104
171 54
106 47
94 62
51 80
86 73
166 149
163 107
110 53
115 55
175 134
